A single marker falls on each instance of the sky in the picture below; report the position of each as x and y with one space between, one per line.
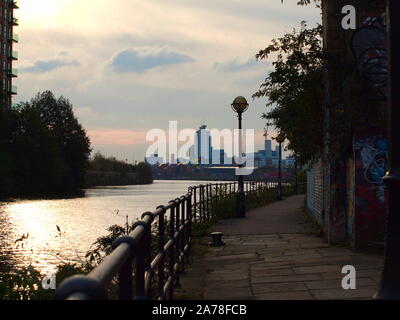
129 66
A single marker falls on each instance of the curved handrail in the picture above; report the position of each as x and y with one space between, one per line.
171 250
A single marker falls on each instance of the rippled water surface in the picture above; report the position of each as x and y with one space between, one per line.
81 221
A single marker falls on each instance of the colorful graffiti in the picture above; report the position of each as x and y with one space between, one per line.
370 155
368 45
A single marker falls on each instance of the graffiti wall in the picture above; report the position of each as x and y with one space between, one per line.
370 156
337 219
354 196
369 48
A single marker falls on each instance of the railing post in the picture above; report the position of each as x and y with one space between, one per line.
171 250
177 242
182 234
160 244
195 204
125 274
201 203
204 203
208 201
140 265
147 255
125 282
189 226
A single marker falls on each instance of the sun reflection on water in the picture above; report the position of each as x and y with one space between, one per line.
80 222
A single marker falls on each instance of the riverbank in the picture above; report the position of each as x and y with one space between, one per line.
47 196
112 178
93 179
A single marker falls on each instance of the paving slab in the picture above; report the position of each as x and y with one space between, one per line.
272 255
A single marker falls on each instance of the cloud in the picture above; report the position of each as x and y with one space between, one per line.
42 66
139 60
235 65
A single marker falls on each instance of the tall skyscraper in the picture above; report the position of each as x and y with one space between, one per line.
7 55
268 145
203 145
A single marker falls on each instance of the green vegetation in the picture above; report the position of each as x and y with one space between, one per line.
44 152
25 283
224 206
44 149
294 91
307 2
106 171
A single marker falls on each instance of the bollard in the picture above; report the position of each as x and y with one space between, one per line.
216 240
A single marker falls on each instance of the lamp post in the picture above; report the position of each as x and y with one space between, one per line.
280 140
280 172
390 283
296 185
240 105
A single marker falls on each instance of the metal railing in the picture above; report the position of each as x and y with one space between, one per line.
150 259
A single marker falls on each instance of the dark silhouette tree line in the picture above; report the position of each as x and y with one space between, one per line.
44 150
120 172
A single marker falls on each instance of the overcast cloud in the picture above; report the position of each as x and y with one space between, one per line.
132 65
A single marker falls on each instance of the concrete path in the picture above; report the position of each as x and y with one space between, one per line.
271 255
277 218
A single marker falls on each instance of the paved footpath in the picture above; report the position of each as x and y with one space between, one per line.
272 255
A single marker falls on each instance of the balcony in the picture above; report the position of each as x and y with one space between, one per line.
14 21
14 4
13 38
14 55
14 90
12 73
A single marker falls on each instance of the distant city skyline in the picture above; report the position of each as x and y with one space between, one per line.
204 151
125 76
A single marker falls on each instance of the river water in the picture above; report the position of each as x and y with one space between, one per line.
45 233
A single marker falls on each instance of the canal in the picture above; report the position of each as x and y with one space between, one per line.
45 233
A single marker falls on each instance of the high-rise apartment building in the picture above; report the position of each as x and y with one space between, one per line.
203 145
7 55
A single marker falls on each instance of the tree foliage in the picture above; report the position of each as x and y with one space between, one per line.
295 93
44 149
58 117
307 2
294 90
36 153
100 163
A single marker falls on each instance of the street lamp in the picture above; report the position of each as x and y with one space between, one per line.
280 140
280 196
240 106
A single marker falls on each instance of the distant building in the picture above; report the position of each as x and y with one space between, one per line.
260 159
290 161
218 157
154 160
202 152
267 146
7 55
268 156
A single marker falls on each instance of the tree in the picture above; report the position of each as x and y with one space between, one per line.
58 117
7 168
295 90
307 2
37 155
144 172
